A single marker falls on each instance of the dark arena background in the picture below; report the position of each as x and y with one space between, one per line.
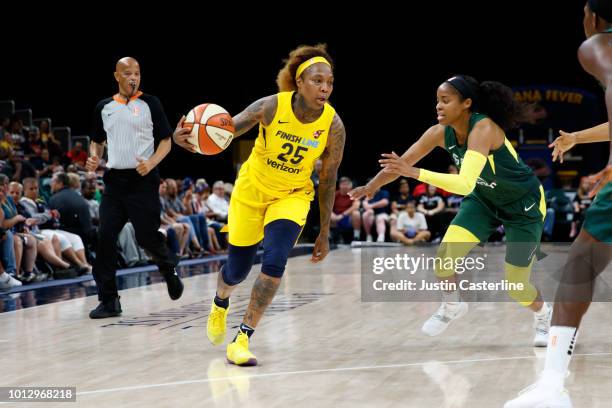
336 333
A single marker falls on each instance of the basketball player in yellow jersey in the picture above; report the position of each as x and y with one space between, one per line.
273 190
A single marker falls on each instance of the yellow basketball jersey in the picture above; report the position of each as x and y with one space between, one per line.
285 151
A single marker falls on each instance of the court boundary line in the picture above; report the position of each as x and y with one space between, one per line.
323 370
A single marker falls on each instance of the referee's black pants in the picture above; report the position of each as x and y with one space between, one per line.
129 196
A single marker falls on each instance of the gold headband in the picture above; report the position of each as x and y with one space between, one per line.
308 63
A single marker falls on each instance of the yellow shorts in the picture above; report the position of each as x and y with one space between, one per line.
250 210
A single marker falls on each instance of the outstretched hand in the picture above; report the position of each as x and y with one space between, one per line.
562 144
394 164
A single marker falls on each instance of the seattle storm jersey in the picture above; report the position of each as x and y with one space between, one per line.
505 177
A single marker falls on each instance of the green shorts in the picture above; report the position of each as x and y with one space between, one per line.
598 218
522 219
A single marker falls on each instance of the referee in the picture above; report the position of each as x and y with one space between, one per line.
130 124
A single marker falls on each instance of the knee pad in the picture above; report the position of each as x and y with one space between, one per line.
279 238
239 263
520 274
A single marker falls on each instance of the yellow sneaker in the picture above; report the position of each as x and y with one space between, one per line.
238 351
215 328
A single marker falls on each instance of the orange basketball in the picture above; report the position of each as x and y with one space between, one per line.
212 128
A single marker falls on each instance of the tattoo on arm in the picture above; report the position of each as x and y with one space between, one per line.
262 110
329 171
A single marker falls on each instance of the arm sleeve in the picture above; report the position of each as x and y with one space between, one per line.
161 126
462 183
98 134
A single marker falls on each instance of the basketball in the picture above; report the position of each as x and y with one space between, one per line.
212 128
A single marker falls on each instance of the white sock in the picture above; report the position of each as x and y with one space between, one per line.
356 233
380 238
542 312
561 342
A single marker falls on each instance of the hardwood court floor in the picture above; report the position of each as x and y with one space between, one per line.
319 346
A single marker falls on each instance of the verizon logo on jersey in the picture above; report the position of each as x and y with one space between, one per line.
281 166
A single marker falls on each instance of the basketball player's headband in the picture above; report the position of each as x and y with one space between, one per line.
603 8
308 63
463 87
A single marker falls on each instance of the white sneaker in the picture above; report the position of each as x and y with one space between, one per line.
437 323
542 327
369 238
542 394
9 282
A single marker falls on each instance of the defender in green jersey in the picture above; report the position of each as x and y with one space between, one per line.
499 189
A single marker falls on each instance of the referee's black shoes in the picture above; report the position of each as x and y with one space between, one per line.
106 308
175 286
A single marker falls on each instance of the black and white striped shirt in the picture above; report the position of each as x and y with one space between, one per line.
131 130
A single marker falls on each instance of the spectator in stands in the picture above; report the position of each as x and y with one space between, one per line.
18 133
174 208
411 226
431 205
345 212
88 191
229 188
77 155
218 203
181 230
75 182
216 238
44 166
97 182
49 141
45 131
73 209
71 245
202 193
7 281
8 243
187 195
376 210
398 204
34 146
581 203
21 168
24 245
401 200
47 248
